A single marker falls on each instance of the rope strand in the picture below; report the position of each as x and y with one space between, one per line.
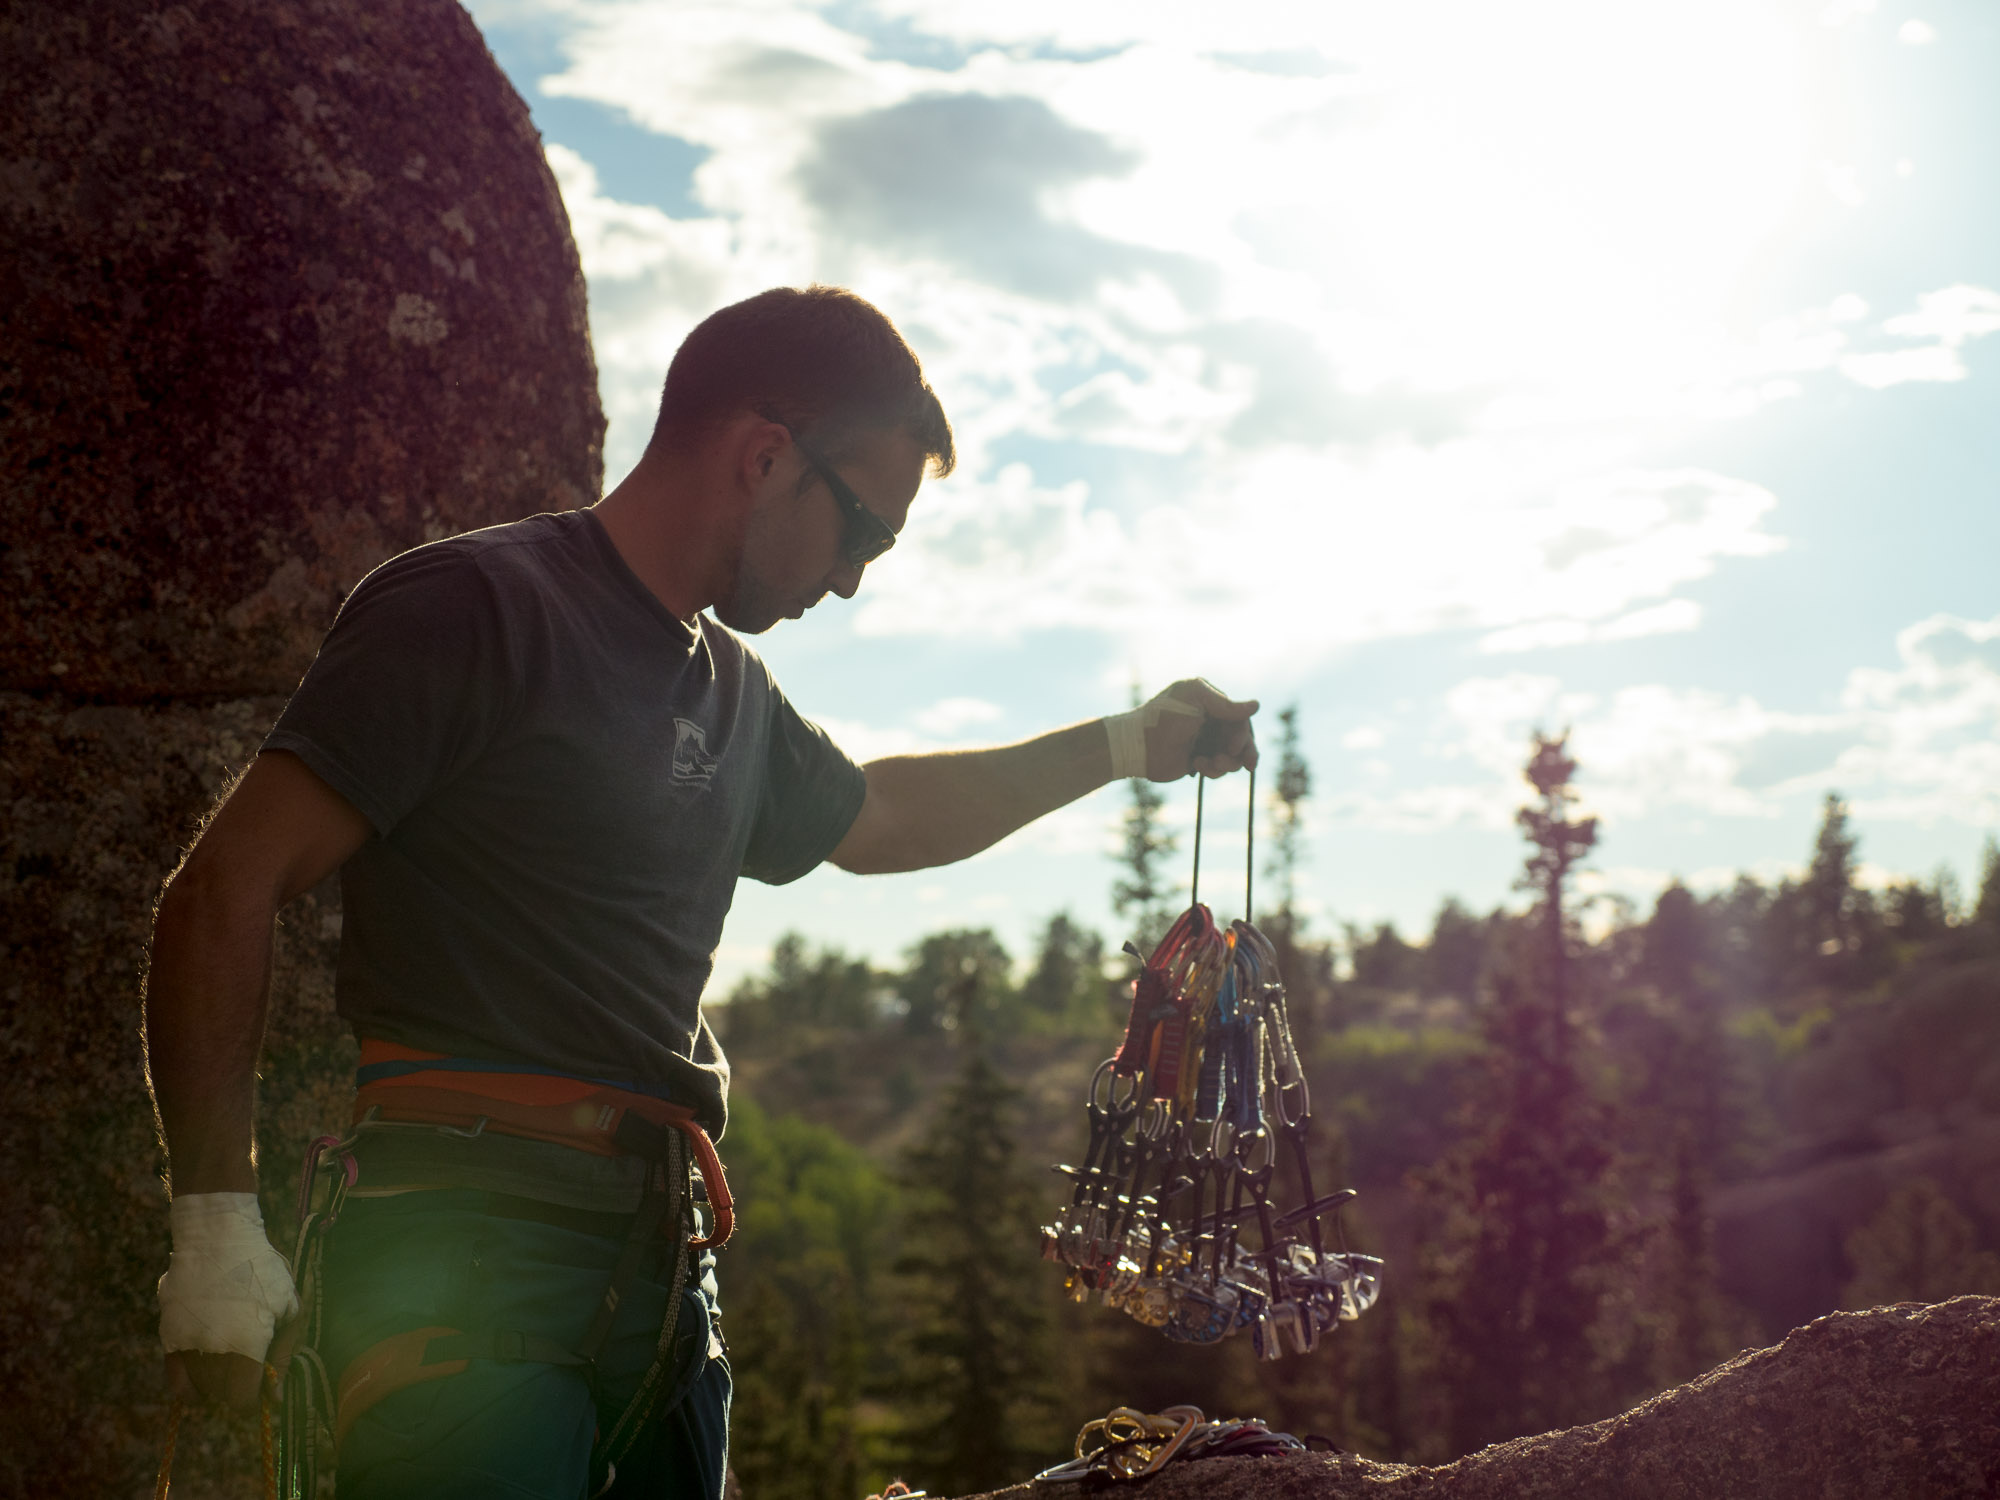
1250 851
174 1410
1194 886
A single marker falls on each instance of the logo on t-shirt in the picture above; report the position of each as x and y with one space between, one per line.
692 762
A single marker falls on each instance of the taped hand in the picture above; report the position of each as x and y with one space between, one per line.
224 1293
1189 728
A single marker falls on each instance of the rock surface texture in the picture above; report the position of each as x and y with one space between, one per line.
1900 1403
285 288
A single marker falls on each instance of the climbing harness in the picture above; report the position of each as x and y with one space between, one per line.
307 1412
1188 1122
1130 1444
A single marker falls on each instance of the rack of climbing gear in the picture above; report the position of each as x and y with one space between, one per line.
1131 1444
1174 1215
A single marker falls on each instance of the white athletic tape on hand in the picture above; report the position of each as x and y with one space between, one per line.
226 1290
1128 731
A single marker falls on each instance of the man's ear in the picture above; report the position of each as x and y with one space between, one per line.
762 441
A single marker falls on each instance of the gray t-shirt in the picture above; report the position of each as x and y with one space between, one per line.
565 782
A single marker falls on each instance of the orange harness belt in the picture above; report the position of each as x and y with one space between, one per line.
575 1112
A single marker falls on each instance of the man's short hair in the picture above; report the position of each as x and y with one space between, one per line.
821 360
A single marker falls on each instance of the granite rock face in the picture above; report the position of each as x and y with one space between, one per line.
1898 1402
99 800
287 288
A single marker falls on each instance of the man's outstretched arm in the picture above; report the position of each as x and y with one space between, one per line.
926 810
280 832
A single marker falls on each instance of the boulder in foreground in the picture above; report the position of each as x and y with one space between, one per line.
1892 1404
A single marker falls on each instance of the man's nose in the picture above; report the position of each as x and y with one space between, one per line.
844 580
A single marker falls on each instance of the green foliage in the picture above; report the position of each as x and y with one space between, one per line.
1527 1244
1563 1109
975 1375
1986 910
1455 958
1382 960
1919 1247
804 989
1785 1039
803 1307
1393 1091
962 977
1067 990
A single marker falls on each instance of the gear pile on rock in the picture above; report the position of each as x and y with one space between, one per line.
1130 1444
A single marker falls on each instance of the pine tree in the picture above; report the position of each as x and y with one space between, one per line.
1067 982
1986 910
958 977
1828 921
1383 960
975 1373
1287 826
1455 957
1527 1242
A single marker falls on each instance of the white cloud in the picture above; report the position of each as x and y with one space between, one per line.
1672 617
1915 33
1301 556
1931 751
948 716
1918 742
1373 433
866 742
1843 181
1954 315
1900 366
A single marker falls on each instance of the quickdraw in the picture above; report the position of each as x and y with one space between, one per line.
1188 1122
1131 1444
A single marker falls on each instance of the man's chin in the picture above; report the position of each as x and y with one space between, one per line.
748 618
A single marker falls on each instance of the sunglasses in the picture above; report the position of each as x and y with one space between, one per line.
866 535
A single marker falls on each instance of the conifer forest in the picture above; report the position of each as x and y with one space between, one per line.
1600 1149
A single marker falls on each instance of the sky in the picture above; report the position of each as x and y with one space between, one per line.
1446 369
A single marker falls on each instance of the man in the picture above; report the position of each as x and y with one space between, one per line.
540 771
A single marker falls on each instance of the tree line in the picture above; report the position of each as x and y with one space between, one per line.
1539 1118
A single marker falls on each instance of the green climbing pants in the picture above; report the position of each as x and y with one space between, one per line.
482 1261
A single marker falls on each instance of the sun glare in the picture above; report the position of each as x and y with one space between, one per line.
1563 195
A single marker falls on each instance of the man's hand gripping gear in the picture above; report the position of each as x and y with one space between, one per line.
1190 728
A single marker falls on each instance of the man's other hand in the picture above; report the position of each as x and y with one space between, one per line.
231 1379
1197 730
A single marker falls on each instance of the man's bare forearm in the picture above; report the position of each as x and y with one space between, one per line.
280 832
207 994
947 806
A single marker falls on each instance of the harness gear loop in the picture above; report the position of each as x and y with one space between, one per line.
414 1087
